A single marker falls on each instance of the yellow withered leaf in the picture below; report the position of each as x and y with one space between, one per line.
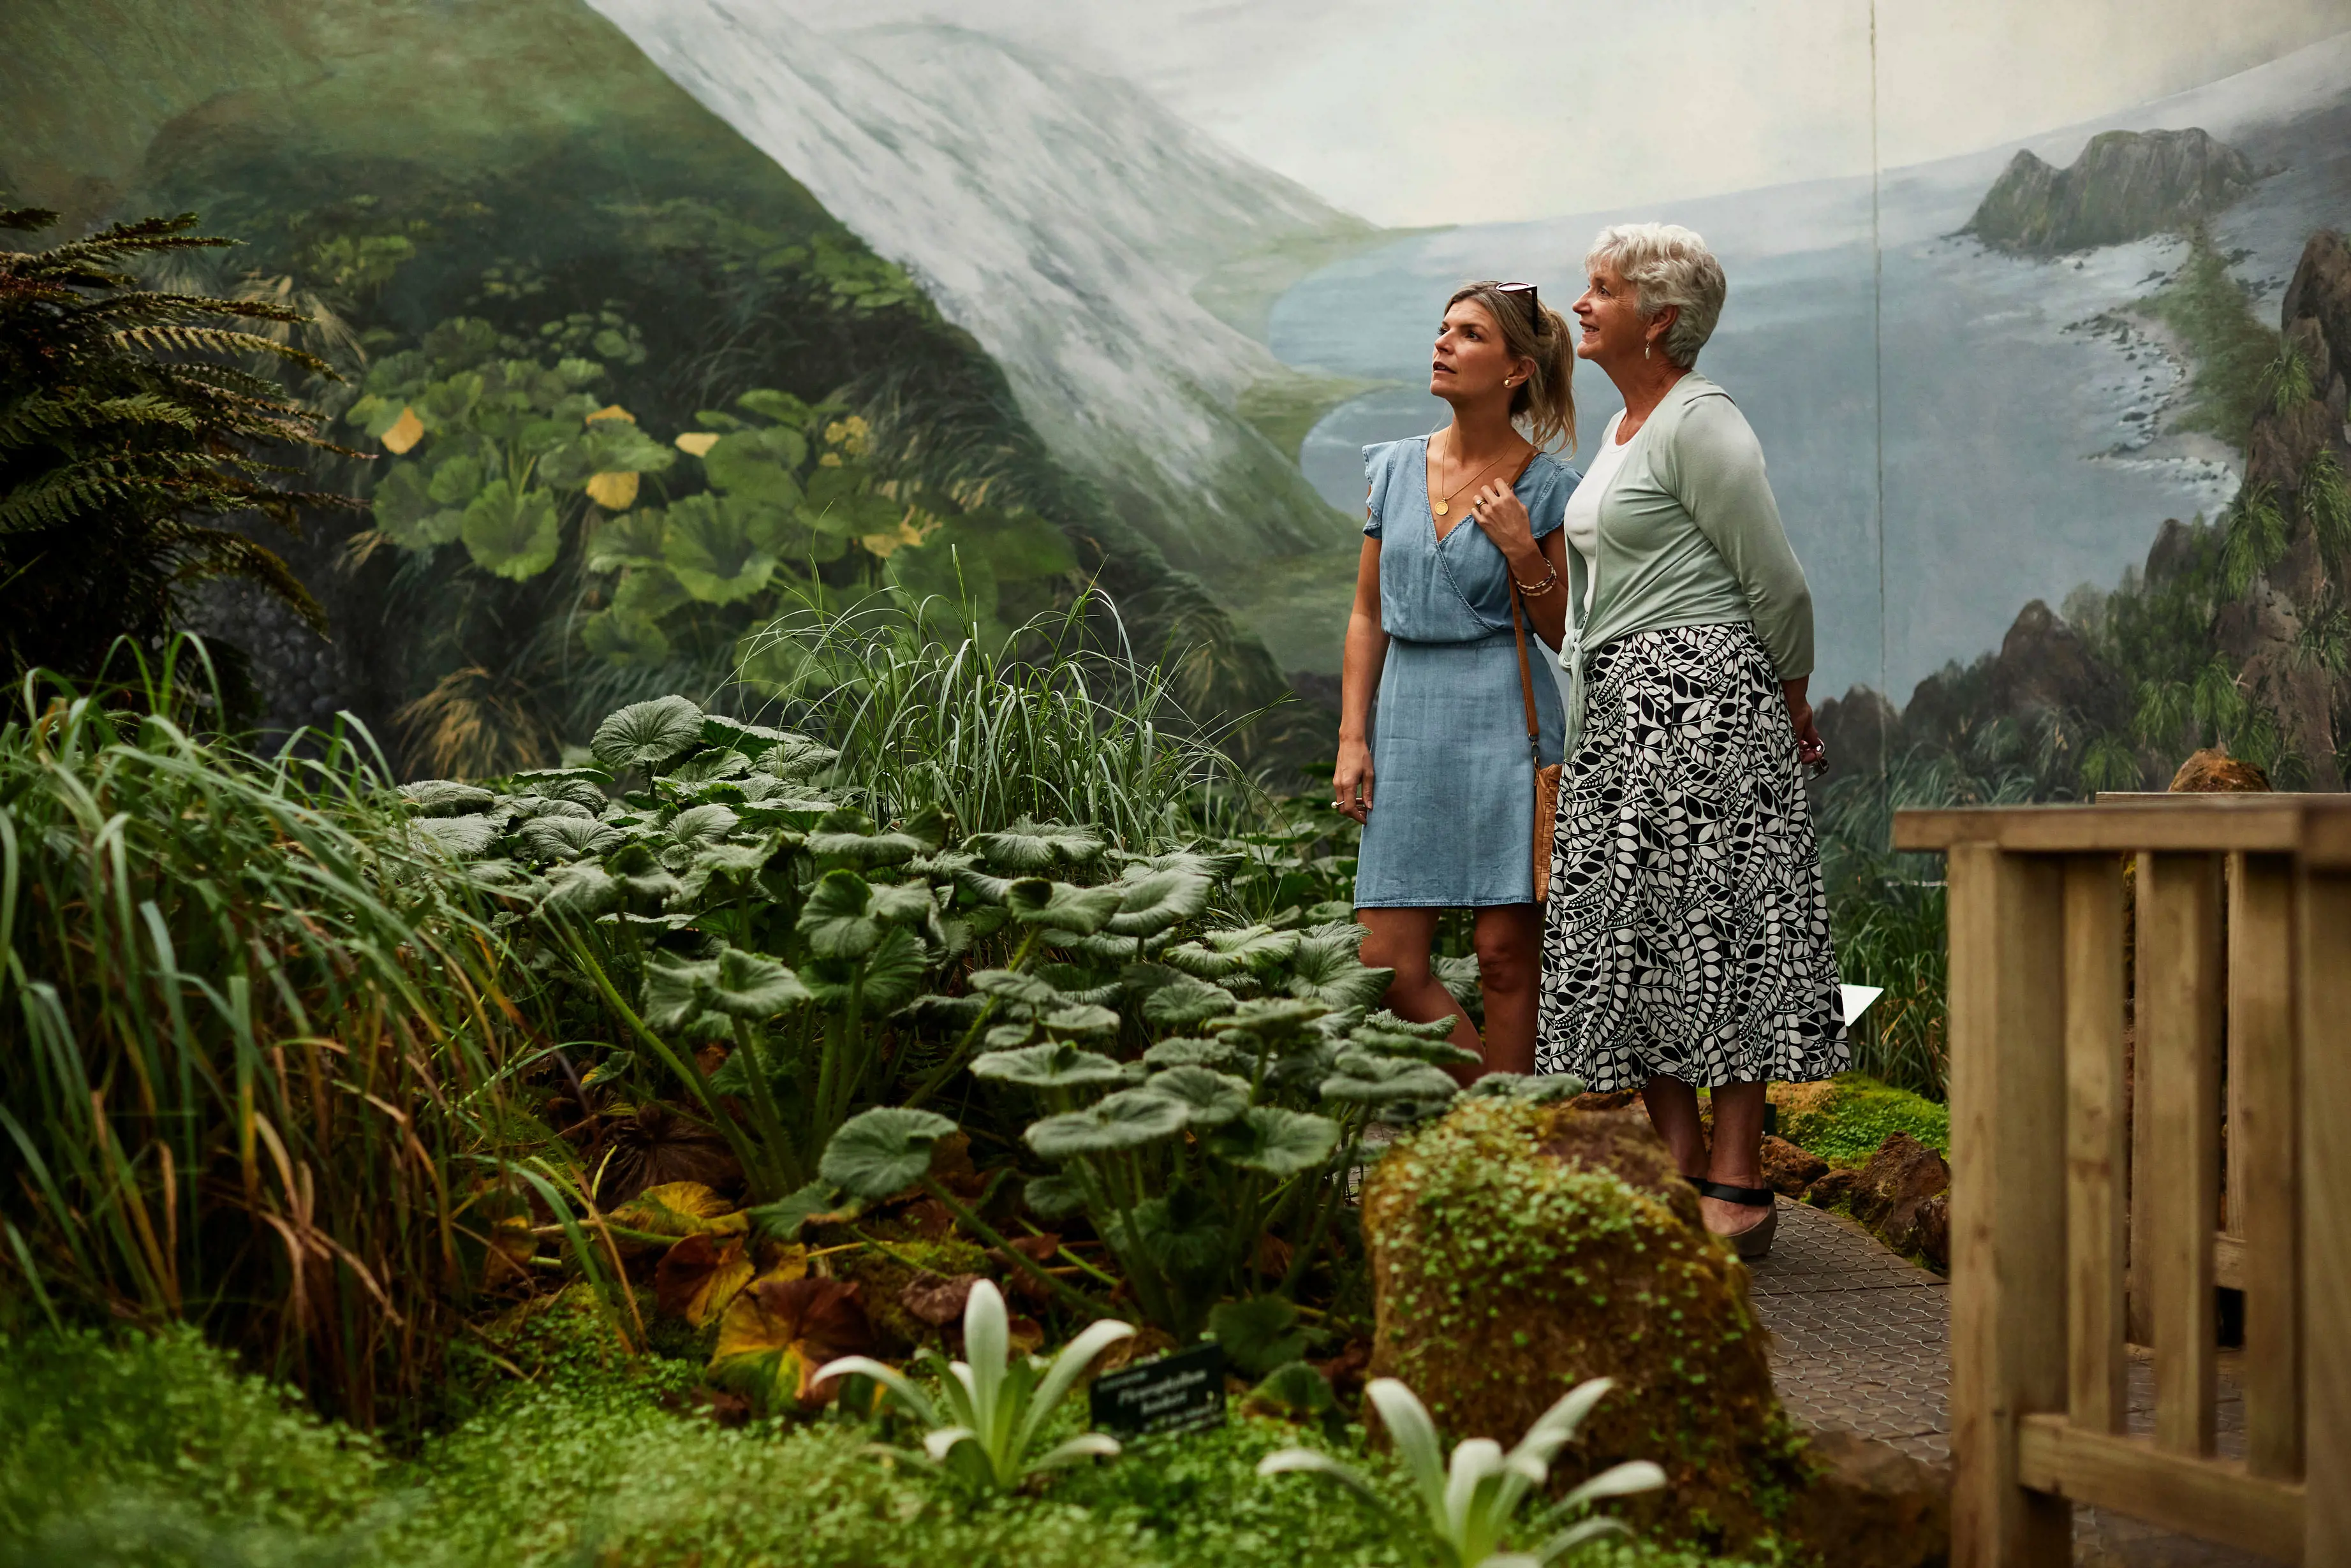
405 431
611 411
614 491
700 1274
697 442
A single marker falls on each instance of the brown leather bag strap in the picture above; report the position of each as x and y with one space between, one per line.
1526 668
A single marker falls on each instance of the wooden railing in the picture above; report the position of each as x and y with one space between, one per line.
2042 1211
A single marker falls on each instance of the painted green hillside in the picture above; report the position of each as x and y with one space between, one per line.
504 221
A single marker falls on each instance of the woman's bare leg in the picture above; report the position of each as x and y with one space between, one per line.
1673 1111
1738 1156
1400 939
1510 961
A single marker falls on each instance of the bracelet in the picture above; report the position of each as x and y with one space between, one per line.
1537 589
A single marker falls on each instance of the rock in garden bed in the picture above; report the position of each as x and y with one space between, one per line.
1517 1249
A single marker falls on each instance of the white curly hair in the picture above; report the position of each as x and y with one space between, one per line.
1668 265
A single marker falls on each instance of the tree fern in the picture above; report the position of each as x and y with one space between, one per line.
132 423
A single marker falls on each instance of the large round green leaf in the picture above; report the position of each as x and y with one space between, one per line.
1252 949
1385 1034
624 637
1126 1120
407 514
714 553
1152 900
1060 906
582 888
699 827
446 798
753 986
462 838
1371 1079
1324 969
512 532
1277 1021
1187 1003
1059 1065
566 839
1081 1021
836 921
1278 1141
648 734
1029 846
1210 1098
848 838
882 1151
1182 1051
759 465
675 992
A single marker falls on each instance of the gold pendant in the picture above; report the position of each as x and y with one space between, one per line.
1439 508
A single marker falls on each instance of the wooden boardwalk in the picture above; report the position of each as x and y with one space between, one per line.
1861 1343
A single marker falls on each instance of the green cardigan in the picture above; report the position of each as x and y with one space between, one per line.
1690 535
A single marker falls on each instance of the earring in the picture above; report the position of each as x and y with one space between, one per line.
1644 350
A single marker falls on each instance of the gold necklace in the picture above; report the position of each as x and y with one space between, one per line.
1446 504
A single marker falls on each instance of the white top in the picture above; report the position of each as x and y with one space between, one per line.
1584 507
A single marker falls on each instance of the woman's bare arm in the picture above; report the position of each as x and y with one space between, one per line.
1359 685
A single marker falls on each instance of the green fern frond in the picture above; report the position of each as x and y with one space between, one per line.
166 336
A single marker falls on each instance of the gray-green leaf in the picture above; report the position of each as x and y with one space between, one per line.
1278 1141
1058 1065
1210 1098
882 1151
1126 1120
648 734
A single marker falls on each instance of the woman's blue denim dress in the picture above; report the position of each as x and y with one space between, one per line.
1453 790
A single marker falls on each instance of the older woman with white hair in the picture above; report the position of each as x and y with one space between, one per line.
1686 941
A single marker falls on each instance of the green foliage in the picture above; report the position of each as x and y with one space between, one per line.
1859 1113
1042 725
250 1032
998 1406
136 1450
2233 353
134 421
1468 1505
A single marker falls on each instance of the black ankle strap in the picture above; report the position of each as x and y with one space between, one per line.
1752 1197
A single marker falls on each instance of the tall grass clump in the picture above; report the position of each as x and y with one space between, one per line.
1888 912
247 1017
1044 723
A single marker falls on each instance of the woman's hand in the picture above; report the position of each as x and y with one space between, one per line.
1504 518
1350 785
1810 748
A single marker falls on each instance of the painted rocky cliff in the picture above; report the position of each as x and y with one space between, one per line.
2126 185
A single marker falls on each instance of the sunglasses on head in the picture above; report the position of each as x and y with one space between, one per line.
1534 303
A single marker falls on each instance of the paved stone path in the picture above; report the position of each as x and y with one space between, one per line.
1860 1341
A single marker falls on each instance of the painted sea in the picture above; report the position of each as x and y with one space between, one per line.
1951 432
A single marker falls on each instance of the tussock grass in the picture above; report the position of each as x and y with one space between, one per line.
1044 723
247 1024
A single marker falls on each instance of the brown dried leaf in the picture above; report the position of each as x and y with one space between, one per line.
936 1301
699 1276
777 1332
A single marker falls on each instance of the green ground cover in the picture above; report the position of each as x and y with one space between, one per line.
599 1457
1844 1120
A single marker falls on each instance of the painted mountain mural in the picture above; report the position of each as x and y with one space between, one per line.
620 387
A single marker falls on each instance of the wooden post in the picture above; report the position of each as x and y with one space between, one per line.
2008 1237
2324 951
2098 1396
2263 1160
2178 1104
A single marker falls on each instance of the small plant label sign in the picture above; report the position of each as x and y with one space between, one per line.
1179 1392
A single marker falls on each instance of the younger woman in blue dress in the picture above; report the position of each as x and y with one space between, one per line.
1431 709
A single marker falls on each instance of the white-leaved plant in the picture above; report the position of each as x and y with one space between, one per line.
1471 1505
996 1405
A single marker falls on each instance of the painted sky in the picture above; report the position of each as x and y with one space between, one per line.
1395 108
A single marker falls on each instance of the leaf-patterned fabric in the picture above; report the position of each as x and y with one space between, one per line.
1687 933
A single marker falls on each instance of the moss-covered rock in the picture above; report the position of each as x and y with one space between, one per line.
1845 1118
1519 1250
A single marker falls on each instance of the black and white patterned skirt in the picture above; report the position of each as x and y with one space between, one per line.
1687 933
